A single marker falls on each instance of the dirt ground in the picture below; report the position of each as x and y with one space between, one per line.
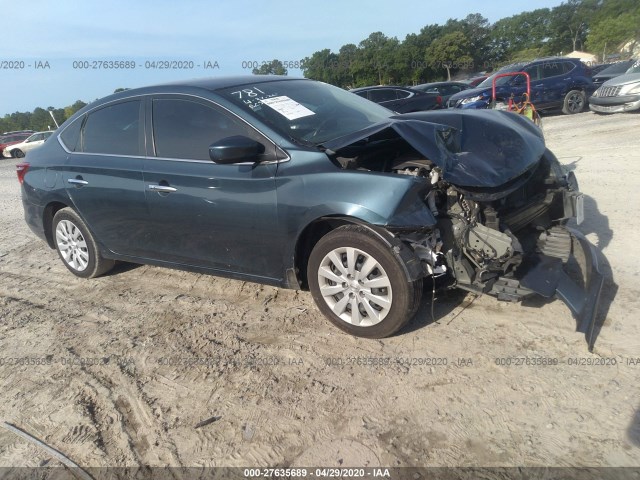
124 370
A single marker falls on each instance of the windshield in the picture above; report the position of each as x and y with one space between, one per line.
635 67
307 111
503 80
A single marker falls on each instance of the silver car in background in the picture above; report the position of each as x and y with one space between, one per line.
620 94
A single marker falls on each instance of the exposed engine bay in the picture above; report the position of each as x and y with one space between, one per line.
479 242
508 240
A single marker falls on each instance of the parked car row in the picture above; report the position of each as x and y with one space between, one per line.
401 99
18 150
619 94
12 138
554 83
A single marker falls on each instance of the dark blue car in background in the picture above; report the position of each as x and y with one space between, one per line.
557 83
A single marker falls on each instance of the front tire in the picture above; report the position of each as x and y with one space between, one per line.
17 153
359 285
76 246
574 102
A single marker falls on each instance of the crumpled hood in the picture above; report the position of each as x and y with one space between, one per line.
473 148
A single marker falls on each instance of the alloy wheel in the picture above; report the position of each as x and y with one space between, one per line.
72 245
355 286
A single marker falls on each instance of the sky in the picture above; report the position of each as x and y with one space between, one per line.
53 57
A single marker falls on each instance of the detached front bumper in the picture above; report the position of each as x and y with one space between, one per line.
620 103
549 276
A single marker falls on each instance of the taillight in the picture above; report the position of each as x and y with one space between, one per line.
21 170
439 100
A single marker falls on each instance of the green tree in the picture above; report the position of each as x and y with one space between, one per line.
609 34
375 60
71 109
415 47
322 66
450 52
476 29
522 32
570 23
274 67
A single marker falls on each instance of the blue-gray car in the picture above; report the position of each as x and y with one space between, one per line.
299 184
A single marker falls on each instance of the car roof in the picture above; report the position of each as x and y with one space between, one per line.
210 84
622 66
435 84
217 83
381 87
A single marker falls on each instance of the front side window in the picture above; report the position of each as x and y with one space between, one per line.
488 82
186 129
113 130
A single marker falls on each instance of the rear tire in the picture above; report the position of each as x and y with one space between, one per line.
76 246
359 285
574 102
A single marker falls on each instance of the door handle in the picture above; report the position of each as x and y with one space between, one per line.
162 188
77 181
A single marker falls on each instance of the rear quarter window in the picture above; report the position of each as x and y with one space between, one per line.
114 129
71 135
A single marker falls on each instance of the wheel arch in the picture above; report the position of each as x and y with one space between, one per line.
47 220
319 227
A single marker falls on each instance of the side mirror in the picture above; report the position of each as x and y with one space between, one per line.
236 149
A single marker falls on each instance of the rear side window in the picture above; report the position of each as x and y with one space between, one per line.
113 130
186 129
403 94
71 135
382 95
552 69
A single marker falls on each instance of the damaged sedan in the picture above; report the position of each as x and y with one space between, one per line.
299 184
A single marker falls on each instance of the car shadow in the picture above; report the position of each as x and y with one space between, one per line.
633 432
446 301
596 222
122 267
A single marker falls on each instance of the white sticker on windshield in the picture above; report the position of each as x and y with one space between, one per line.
287 107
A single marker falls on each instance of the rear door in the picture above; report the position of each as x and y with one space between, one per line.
202 213
103 174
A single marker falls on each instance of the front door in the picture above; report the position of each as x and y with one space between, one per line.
201 213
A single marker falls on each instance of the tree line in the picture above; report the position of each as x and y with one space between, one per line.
38 120
438 52
473 44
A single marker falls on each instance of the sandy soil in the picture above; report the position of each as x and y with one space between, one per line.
132 363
